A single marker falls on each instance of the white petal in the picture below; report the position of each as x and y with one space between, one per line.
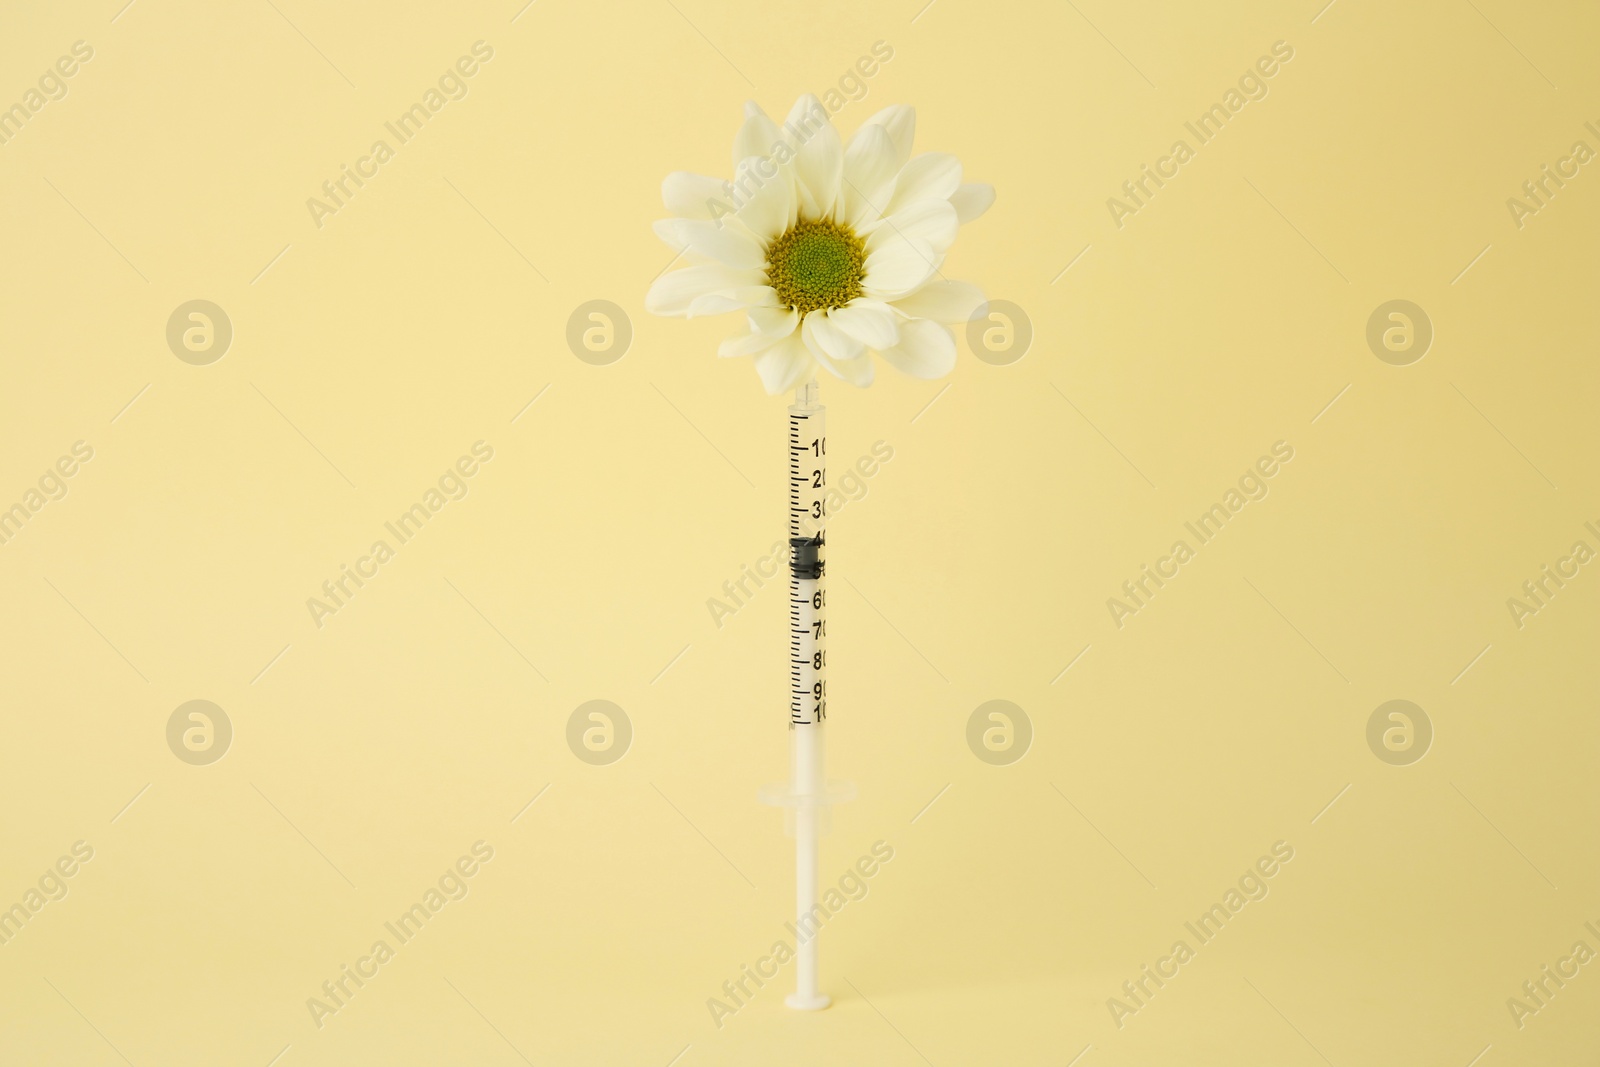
805 118
868 321
942 302
760 295
926 350
930 221
930 176
689 195
768 326
838 353
858 371
674 292
728 244
972 200
756 137
740 299
826 339
771 208
898 267
747 344
901 123
784 365
869 170
774 321
819 170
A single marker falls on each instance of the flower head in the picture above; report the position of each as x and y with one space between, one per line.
831 250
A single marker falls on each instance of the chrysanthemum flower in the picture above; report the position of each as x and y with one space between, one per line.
831 250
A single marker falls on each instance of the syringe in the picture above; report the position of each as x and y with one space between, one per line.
807 794
808 695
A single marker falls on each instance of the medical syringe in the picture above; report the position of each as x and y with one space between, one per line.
807 795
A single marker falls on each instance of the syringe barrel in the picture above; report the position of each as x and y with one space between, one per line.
808 479
808 697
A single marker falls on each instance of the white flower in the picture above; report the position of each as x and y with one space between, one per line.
832 250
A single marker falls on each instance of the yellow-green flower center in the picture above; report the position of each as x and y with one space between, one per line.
816 264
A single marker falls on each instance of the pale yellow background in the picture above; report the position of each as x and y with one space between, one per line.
424 316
